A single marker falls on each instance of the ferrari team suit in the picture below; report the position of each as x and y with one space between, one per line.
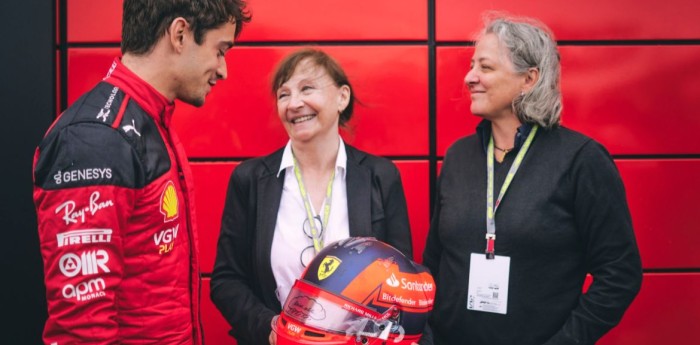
113 194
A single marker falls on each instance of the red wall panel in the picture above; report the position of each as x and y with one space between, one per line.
86 68
460 20
454 119
662 196
414 175
322 20
240 119
630 101
94 21
100 21
211 183
621 96
666 311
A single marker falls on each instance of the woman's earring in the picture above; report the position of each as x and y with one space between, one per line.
522 93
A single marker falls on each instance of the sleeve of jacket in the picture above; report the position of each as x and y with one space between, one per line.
612 256
232 278
398 229
433 246
83 194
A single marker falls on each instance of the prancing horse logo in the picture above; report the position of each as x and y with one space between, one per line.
328 266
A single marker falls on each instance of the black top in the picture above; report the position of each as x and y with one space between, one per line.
564 215
242 283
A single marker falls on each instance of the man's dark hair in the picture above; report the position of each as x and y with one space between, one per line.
144 22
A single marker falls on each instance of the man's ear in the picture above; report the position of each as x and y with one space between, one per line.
176 32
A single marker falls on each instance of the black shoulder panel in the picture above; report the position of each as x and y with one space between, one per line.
83 148
101 104
141 131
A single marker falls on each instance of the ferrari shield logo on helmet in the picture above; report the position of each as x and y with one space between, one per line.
327 267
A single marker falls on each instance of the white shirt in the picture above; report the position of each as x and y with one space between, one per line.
289 239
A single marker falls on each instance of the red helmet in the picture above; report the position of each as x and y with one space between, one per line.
357 291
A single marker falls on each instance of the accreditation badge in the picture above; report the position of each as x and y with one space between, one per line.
488 283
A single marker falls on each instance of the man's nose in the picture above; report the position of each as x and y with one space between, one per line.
221 72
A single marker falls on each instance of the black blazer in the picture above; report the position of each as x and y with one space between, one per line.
242 283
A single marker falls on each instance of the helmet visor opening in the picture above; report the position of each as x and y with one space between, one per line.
313 307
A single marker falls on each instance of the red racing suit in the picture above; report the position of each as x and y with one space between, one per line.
113 195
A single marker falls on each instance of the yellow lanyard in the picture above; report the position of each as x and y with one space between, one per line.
315 234
490 207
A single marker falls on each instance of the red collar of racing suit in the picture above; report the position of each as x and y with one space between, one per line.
147 97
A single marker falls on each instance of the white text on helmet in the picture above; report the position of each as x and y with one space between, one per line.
415 285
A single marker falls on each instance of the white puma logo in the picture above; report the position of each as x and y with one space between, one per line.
131 127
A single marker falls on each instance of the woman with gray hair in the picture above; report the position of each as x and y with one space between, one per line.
526 208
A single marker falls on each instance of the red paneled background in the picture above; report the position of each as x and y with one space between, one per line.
323 20
211 182
459 20
611 93
309 20
93 21
629 77
662 196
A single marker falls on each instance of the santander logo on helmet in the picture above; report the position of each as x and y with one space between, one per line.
392 281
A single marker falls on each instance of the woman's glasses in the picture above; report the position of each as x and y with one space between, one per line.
308 253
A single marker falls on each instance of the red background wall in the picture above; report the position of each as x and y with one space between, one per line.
630 80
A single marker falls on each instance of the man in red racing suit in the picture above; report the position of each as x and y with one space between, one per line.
113 189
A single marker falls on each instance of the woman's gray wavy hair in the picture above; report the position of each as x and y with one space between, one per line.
531 44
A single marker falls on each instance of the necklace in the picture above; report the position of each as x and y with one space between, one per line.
505 151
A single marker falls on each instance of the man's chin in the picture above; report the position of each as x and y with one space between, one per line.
197 102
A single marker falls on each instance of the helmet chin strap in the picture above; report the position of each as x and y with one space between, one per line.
385 328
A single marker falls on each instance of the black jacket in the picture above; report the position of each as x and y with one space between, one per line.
242 283
564 215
